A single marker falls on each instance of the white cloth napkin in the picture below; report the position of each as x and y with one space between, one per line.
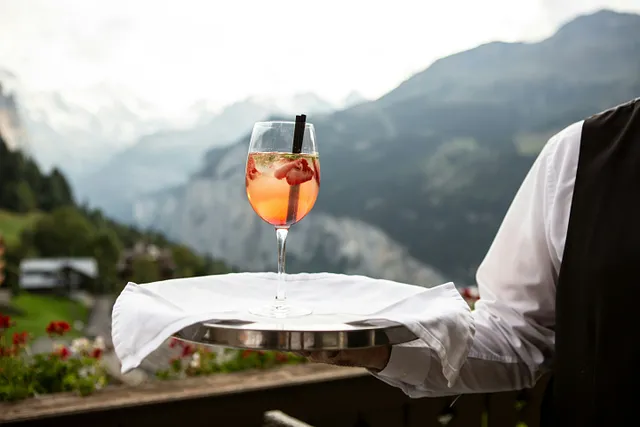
144 316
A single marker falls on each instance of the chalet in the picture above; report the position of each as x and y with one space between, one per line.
58 274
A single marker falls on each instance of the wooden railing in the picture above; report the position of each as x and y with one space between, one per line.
316 395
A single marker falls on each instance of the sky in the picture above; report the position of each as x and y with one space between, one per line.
172 54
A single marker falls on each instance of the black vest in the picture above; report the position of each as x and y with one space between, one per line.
597 363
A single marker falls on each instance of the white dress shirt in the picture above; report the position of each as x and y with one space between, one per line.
515 315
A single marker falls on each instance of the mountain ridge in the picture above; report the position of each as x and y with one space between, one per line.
434 163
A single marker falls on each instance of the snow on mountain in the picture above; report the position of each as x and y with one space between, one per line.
10 124
79 129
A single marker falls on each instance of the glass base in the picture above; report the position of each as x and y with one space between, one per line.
280 310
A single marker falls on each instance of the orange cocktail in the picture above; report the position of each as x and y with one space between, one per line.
273 179
282 179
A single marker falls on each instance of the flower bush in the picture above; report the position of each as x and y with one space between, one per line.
197 360
76 367
63 368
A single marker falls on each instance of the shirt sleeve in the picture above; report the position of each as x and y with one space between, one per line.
515 316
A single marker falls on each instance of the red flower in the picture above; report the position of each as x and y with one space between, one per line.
58 328
252 170
296 172
281 357
96 353
247 353
188 350
63 353
20 338
5 322
174 342
470 294
7 351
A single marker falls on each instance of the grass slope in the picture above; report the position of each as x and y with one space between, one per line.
39 310
12 224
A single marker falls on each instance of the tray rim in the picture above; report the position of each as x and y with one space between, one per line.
245 337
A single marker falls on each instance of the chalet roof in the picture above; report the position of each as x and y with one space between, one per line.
87 266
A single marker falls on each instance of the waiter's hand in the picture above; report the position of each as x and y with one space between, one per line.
375 358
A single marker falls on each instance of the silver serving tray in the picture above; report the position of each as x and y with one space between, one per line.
310 333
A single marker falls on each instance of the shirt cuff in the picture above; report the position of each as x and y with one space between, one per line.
408 363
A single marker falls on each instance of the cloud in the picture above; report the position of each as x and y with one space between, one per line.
560 11
173 53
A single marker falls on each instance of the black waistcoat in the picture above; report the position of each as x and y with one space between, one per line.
597 363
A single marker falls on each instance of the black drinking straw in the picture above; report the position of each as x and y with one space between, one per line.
294 190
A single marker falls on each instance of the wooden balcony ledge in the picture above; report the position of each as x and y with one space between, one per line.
316 395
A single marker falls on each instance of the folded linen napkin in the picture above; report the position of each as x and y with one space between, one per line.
144 316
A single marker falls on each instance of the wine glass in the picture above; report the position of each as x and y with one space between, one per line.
282 180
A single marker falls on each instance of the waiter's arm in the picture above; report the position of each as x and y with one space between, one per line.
515 315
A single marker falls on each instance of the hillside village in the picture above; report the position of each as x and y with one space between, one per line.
63 262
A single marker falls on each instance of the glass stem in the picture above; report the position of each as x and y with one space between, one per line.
281 237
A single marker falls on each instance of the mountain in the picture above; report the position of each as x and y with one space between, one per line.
306 101
10 123
490 70
167 158
113 146
78 130
424 174
353 98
